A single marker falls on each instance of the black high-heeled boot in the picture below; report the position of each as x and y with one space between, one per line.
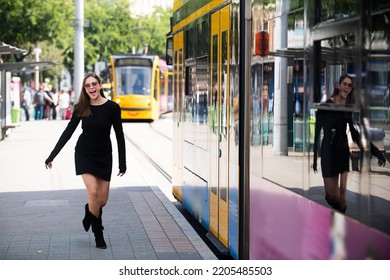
343 210
97 229
334 204
87 219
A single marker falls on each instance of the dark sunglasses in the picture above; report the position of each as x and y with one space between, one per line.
93 84
347 84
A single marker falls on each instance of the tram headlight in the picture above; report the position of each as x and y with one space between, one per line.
118 101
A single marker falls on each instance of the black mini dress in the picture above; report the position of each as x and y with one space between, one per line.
93 151
334 145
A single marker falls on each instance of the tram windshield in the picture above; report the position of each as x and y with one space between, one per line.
133 80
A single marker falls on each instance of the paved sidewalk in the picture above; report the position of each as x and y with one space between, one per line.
140 223
41 210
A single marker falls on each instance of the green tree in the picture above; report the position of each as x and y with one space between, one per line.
26 22
156 27
110 29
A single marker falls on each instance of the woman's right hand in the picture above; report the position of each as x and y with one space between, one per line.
381 159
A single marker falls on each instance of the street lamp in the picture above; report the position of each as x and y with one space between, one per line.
37 52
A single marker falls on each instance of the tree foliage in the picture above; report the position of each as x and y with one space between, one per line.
27 22
110 28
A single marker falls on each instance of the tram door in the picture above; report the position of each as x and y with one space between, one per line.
219 139
178 115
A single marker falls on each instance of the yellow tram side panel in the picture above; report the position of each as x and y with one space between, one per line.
177 4
219 166
224 146
218 207
153 101
155 90
213 164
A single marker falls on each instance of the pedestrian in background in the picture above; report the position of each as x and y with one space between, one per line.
63 103
49 102
93 151
53 106
39 103
334 145
26 100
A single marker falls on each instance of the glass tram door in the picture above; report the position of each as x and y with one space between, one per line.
219 140
178 116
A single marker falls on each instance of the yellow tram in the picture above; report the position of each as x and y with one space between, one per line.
136 85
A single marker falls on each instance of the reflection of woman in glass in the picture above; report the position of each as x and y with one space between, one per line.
334 146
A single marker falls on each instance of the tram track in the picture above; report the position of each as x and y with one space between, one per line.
160 133
157 166
153 143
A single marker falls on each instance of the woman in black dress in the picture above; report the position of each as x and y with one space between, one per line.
93 151
334 145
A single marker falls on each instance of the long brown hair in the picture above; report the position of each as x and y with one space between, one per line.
83 106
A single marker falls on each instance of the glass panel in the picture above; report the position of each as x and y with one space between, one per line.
180 86
305 79
188 46
224 59
170 91
223 115
278 116
133 80
162 89
352 137
214 94
190 94
202 91
175 89
203 38
377 90
214 105
336 9
156 84
190 37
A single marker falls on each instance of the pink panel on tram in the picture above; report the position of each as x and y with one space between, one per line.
372 244
284 225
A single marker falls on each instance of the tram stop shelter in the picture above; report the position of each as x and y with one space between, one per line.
6 70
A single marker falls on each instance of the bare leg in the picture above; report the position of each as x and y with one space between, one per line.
97 190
